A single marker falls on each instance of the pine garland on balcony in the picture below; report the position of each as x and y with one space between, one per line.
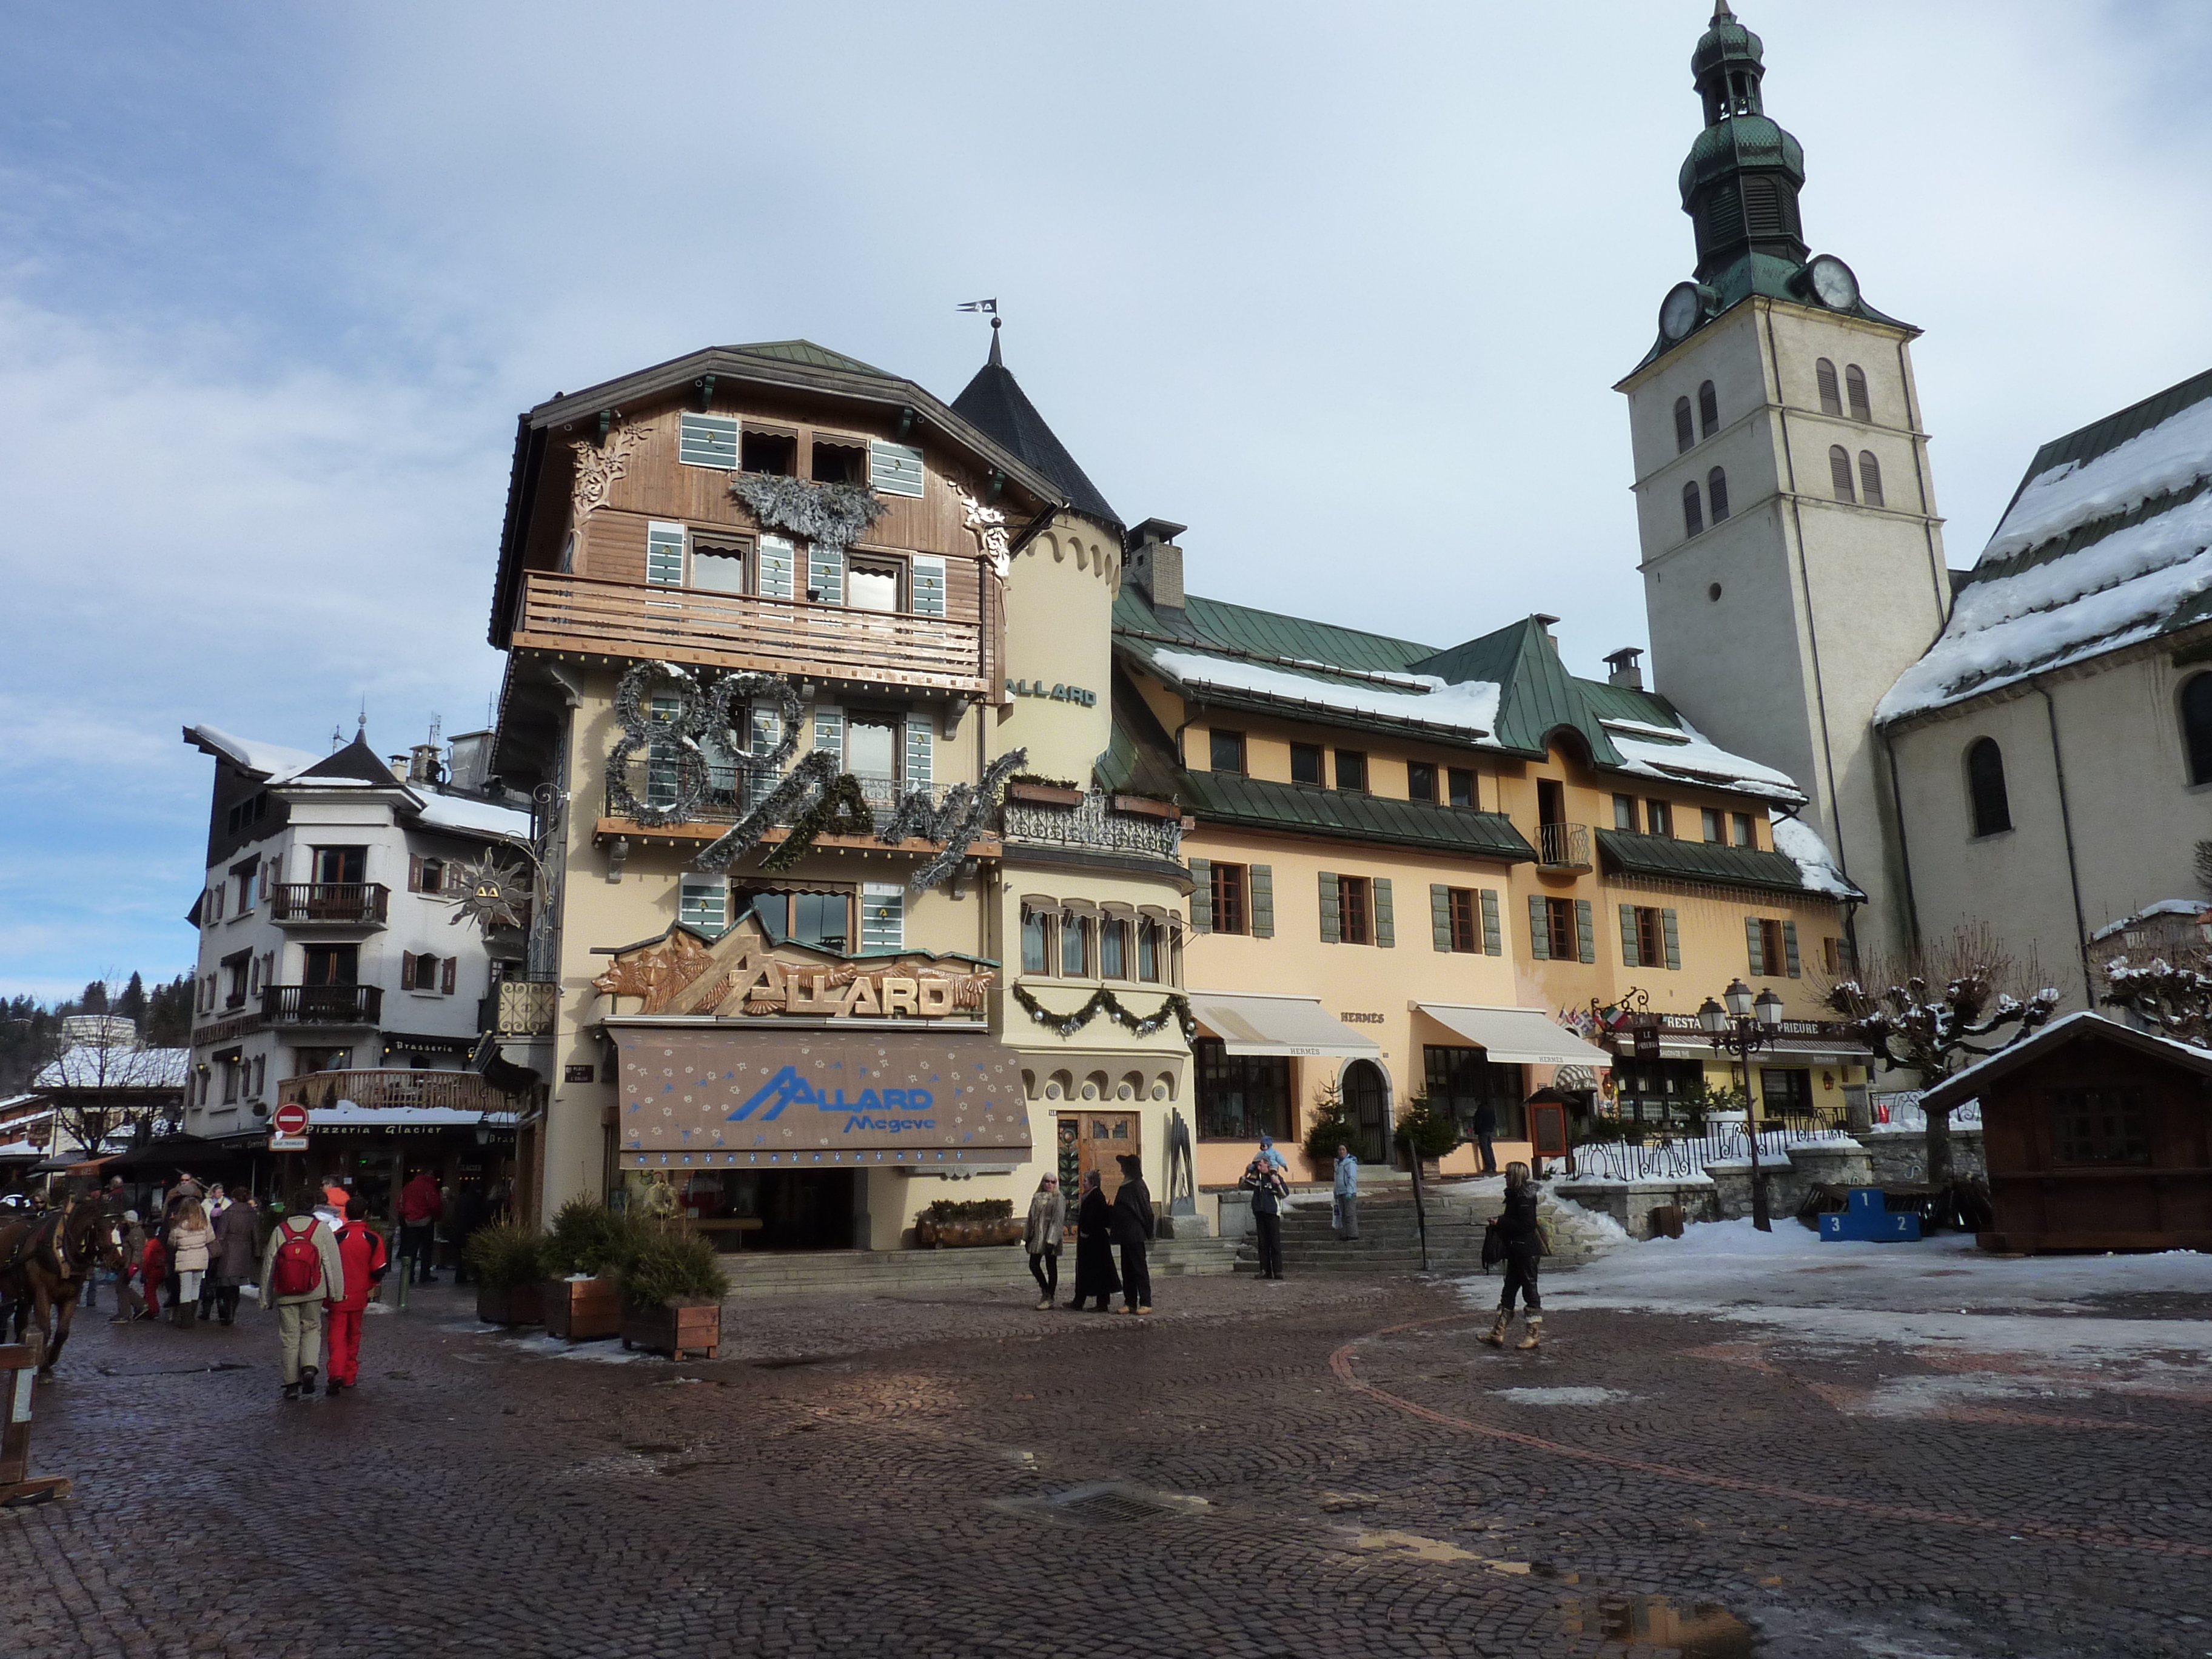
956 823
802 789
1103 1001
829 515
842 810
717 715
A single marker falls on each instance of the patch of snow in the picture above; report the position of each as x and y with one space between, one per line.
475 818
1591 1230
1469 705
1670 734
603 1352
275 760
2163 907
1801 843
1707 763
1563 1396
2176 452
88 1065
346 1113
2108 595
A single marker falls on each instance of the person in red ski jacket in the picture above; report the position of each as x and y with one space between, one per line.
421 1204
361 1247
153 1268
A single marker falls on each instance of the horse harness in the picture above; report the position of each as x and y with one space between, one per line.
53 1235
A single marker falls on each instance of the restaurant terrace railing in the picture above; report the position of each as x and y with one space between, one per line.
742 630
335 903
394 1086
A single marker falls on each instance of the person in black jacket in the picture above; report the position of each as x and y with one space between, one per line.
1268 1189
1524 1248
1094 1248
1132 1228
1485 1127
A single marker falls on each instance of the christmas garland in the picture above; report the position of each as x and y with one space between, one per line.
842 810
1103 1001
827 515
956 823
716 715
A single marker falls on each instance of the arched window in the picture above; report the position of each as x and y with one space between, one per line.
1839 472
1832 401
1717 492
1709 409
1684 435
1694 517
1985 782
2196 727
1869 478
1854 384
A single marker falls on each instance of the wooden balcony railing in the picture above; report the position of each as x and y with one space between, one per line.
740 630
387 1086
341 904
1563 847
324 1005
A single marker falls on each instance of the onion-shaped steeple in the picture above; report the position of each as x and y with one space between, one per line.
1740 181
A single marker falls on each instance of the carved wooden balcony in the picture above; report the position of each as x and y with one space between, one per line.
389 1086
329 904
322 1005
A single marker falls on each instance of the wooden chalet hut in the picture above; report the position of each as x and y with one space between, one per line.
2098 1137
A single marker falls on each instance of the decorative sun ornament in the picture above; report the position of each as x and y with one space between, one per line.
491 894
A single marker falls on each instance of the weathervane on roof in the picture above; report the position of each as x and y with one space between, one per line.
988 308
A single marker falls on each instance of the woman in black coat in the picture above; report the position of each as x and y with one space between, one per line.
1094 1248
1524 1248
1133 1229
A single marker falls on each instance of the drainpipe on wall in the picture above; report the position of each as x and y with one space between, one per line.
2066 823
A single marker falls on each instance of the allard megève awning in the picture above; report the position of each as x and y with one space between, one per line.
693 1097
1516 1036
1253 1024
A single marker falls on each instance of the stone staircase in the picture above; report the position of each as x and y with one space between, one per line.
986 1267
1389 1235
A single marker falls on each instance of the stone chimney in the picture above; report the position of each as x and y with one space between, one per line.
1624 668
1545 622
1155 563
400 764
424 764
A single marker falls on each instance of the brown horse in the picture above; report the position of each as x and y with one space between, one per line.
44 1264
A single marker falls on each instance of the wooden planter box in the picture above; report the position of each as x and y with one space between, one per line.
675 1328
512 1304
582 1309
953 1234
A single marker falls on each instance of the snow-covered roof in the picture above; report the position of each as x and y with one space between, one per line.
1803 845
347 1114
1967 1085
466 816
1687 756
270 760
86 1066
2197 908
1470 706
2108 542
16 1149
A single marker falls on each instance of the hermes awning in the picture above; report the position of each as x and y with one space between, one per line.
1252 1024
1516 1036
907 1099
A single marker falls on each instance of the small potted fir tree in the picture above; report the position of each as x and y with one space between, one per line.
673 1286
507 1260
588 1243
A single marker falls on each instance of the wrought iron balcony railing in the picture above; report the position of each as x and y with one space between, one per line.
322 1005
1563 847
1094 825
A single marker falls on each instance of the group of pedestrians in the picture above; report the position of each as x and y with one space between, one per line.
1127 1224
319 1272
194 1258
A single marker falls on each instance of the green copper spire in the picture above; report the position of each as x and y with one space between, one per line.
1741 182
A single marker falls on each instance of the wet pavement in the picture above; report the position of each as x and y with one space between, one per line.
1256 1470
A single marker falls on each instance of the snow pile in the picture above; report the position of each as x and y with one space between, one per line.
274 760
1695 759
1801 843
478 818
2172 454
1470 705
1590 1232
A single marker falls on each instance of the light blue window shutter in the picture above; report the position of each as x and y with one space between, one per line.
1755 945
1262 878
664 760
926 578
1540 929
825 574
1386 921
829 731
664 554
883 916
918 753
1201 896
1493 941
1440 917
1628 956
703 903
1669 925
1332 910
708 440
767 731
1789 946
1585 931
894 469
779 567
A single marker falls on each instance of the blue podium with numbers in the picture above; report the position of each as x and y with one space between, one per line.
1870 1218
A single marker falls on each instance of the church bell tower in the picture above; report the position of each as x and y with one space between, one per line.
1792 557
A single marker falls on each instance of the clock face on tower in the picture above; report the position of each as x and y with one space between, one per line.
1678 312
1833 284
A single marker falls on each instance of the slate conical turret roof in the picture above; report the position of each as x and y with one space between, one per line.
995 402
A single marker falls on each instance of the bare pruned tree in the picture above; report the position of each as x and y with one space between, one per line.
1936 1009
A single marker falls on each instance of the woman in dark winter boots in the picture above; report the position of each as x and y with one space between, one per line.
1094 1248
1524 1248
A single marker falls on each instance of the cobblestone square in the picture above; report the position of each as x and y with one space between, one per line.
1302 1469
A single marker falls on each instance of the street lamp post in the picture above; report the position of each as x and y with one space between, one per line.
1747 1024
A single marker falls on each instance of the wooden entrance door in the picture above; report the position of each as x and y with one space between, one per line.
1366 1097
1100 1139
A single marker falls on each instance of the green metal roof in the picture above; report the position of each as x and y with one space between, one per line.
1258 803
1292 640
1706 861
805 351
1537 695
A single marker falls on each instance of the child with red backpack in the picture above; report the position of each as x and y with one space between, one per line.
301 1270
361 1247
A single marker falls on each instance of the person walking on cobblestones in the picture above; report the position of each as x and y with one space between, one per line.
237 1233
420 1206
361 1247
1345 1205
190 1243
1268 1189
1042 1235
1133 1229
129 1305
301 1269
1524 1248
153 1271
1094 1248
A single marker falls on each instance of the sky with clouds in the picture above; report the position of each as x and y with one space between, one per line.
1334 285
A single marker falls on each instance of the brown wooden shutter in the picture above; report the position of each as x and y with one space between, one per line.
406 970
445 975
415 873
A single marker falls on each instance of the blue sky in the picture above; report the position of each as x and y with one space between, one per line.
1334 285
